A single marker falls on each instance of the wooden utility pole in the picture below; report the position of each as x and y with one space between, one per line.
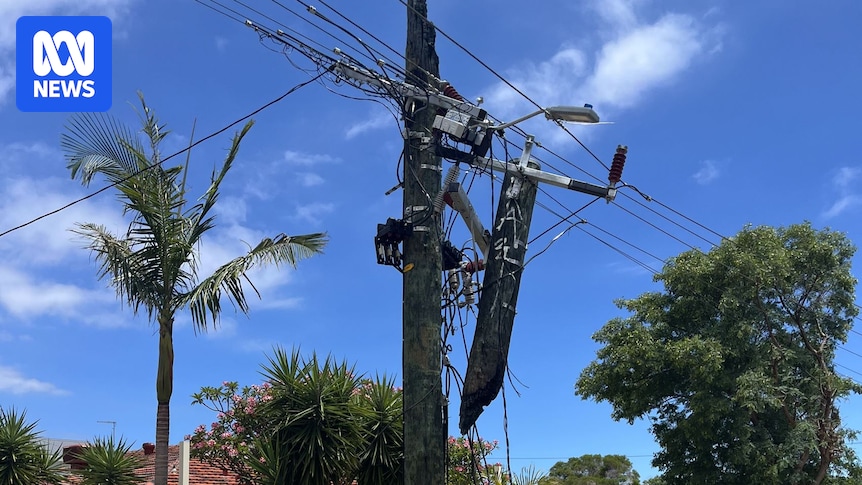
488 359
424 429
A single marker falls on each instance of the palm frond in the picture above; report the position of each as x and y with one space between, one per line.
151 127
199 214
98 143
130 272
205 299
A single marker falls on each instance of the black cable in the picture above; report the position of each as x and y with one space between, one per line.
184 150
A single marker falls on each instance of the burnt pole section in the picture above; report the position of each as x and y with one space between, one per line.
496 312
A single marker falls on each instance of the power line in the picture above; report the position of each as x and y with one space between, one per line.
184 150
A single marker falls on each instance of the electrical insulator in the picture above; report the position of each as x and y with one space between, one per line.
381 254
472 267
451 176
452 93
453 280
470 289
617 165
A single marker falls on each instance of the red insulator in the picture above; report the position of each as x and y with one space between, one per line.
617 165
452 93
472 267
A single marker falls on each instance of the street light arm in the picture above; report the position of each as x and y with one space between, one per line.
515 122
577 114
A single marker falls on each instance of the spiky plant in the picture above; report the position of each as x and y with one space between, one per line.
108 462
24 459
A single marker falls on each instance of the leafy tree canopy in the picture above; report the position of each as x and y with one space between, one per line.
733 362
593 470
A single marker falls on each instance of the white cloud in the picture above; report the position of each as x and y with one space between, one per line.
308 159
843 182
10 337
636 56
619 13
231 210
645 58
308 179
842 205
13 382
221 43
13 155
377 120
282 303
707 173
23 296
314 212
48 240
846 176
7 80
10 10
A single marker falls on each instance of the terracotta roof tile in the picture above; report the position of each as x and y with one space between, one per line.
200 473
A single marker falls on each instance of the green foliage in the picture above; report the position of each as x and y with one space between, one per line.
318 432
528 476
312 422
24 460
154 264
593 470
733 361
108 462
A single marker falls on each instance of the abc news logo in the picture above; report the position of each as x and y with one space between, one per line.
64 64
46 59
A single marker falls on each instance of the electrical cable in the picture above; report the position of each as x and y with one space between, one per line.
184 150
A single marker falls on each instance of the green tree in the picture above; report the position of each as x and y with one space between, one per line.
733 361
593 470
24 459
154 264
108 462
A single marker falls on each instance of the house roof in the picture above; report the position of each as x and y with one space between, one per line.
200 473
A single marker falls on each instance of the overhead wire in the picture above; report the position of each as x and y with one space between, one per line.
160 162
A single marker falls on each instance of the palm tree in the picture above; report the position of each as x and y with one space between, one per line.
108 462
23 459
154 264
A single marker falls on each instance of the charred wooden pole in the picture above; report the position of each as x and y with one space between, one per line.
488 359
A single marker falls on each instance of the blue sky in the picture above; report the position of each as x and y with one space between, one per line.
733 114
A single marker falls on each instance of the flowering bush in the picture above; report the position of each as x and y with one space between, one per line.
313 422
229 442
467 464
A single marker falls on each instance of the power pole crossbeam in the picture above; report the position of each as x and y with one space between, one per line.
424 425
407 90
537 175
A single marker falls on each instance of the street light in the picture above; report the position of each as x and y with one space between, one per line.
579 114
